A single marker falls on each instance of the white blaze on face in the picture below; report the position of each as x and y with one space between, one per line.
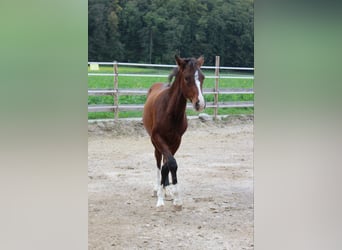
200 96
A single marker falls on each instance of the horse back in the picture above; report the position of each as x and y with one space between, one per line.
148 115
156 89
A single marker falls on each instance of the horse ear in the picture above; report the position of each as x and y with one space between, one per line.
180 61
200 61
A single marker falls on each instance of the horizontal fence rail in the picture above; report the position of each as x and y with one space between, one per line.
165 65
116 91
147 75
96 92
128 107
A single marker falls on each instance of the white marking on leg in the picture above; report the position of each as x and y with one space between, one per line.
161 194
200 96
169 193
157 184
177 201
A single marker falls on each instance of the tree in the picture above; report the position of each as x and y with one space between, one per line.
154 31
103 36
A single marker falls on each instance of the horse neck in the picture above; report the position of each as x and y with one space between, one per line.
177 98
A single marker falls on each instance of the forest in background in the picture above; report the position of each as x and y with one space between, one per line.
153 31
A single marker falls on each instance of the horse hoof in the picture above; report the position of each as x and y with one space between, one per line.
177 207
168 198
160 208
160 203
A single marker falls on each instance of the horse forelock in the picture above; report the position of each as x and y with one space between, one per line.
190 64
193 65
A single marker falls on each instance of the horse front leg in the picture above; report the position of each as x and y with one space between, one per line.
177 201
161 190
170 165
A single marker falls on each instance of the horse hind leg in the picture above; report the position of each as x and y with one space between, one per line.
156 184
158 157
158 189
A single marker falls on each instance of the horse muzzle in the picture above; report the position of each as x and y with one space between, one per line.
199 105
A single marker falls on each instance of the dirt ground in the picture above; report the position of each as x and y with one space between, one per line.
215 175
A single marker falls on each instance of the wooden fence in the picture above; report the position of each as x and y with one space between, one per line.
116 107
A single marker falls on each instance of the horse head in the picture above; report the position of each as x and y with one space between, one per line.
191 80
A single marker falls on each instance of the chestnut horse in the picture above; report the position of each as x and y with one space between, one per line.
165 119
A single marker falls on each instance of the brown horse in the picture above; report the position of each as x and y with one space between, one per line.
165 119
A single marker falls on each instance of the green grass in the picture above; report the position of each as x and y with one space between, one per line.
101 82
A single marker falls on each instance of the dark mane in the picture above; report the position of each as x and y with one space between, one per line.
173 74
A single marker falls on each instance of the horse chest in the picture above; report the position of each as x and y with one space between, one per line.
174 133
176 124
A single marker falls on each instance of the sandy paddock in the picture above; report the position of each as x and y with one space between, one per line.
215 175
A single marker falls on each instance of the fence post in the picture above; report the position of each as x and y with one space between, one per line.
115 96
217 74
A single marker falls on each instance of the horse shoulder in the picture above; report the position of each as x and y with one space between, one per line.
184 126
